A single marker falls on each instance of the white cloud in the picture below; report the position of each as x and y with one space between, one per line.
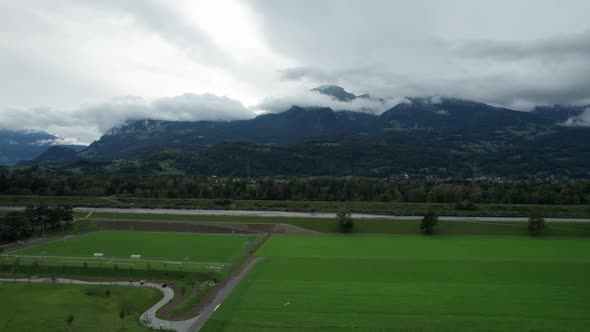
306 98
582 120
89 122
64 53
60 141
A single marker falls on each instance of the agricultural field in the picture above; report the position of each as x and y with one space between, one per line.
45 307
405 283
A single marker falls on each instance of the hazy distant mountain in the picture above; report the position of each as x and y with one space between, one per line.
421 136
294 125
336 92
17 146
58 155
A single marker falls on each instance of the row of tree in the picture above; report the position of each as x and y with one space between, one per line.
536 222
299 189
535 226
35 220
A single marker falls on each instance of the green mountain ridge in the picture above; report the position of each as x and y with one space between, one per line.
446 137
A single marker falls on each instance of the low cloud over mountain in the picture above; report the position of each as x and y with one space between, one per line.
89 122
320 98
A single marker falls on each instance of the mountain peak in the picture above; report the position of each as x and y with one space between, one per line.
336 92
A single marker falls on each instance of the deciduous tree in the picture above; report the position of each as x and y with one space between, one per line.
428 222
536 223
345 221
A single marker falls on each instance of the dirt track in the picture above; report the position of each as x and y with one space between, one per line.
199 227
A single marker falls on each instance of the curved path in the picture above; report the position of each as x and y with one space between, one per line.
148 318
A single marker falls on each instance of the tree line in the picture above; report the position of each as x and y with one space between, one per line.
34 220
345 222
344 189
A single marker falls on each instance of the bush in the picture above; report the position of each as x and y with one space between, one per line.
536 223
428 222
345 222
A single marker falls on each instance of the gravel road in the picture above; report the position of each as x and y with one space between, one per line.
310 214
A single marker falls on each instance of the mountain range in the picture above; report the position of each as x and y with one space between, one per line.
442 137
19 145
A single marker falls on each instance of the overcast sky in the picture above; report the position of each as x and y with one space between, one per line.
77 68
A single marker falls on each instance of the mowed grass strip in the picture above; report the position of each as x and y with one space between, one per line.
45 307
304 294
150 245
429 248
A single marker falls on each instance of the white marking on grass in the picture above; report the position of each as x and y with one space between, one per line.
46 243
217 306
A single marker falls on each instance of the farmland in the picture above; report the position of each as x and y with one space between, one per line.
397 248
379 283
44 307
470 276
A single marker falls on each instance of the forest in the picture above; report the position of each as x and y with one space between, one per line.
337 189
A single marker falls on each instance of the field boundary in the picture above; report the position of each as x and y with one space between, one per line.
221 295
232 278
46 241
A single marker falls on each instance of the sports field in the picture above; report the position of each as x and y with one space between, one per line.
150 245
45 307
353 283
159 251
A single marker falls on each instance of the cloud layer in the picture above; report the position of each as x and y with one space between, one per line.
306 98
582 120
55 56
89 122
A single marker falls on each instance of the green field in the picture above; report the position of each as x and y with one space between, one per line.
44 307
429 248
162 258
355 283
150 245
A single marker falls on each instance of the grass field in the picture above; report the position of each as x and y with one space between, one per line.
162 258
355 283
44 307
150 245
400 248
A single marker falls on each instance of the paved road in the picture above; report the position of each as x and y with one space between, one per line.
244 213
308 214
148 318
206 312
